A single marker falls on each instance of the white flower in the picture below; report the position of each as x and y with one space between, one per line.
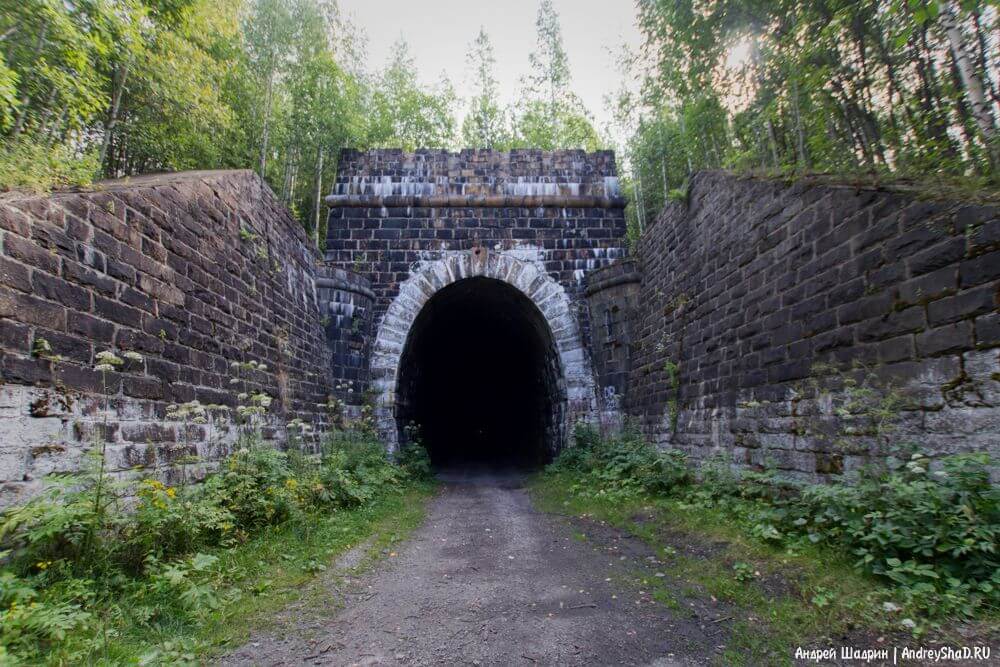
242 396
890 606
234 381
108 357
262 367
908 623
104 368
234 365
134 356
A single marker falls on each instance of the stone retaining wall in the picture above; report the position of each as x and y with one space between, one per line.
753 284
194 272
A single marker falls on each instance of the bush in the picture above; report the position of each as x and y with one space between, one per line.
623 465
76 547
930 531
413 457
39 167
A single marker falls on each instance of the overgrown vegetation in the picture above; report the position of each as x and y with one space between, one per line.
123 87
885 88
928 532
104 568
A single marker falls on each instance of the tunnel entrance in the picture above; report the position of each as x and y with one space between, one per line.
479 375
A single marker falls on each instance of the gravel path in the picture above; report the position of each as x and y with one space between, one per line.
489 580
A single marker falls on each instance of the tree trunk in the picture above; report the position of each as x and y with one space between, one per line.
319 195
640 209
979 107
121 76
962 111
984 63
773 141
23 113
800 137
267 124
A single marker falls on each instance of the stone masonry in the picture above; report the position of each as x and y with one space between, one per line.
192 271
554 216
753 285
742 328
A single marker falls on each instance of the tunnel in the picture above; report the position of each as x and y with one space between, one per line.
479 378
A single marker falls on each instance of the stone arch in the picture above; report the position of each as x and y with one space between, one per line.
577 389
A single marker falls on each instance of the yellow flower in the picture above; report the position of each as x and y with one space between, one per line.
42 565
291 483
172 492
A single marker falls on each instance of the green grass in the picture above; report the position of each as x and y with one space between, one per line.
283 566
798 599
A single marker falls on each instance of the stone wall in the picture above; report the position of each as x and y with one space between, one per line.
192 271
612 297
753 283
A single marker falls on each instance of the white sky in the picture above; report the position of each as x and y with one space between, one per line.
439 33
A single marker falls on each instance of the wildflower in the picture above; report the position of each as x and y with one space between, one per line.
172 492
134 356
242 396
234 365
908 623
291 483
108 357
104 368
234 381
43 565
262 367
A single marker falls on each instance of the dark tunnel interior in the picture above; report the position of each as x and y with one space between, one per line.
478 376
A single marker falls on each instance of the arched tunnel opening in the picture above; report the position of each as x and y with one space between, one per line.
479 377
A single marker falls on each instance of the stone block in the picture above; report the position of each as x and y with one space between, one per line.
964 305
947 339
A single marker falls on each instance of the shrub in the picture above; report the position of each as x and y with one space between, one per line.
927 531
931 531
256 487
39 166
622 465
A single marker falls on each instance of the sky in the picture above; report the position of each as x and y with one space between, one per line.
439 33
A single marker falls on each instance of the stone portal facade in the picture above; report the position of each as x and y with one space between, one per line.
413 223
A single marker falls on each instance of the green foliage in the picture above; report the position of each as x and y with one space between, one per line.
487 123
873 87
621 466
34 629
404 115
76 551
41 167
413 456
549 115
931 529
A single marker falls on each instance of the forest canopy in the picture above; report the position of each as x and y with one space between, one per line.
113 88
900 88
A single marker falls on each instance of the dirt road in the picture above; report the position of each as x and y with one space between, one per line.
488 580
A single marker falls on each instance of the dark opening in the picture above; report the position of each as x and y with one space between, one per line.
479 376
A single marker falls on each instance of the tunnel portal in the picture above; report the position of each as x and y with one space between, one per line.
479 375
